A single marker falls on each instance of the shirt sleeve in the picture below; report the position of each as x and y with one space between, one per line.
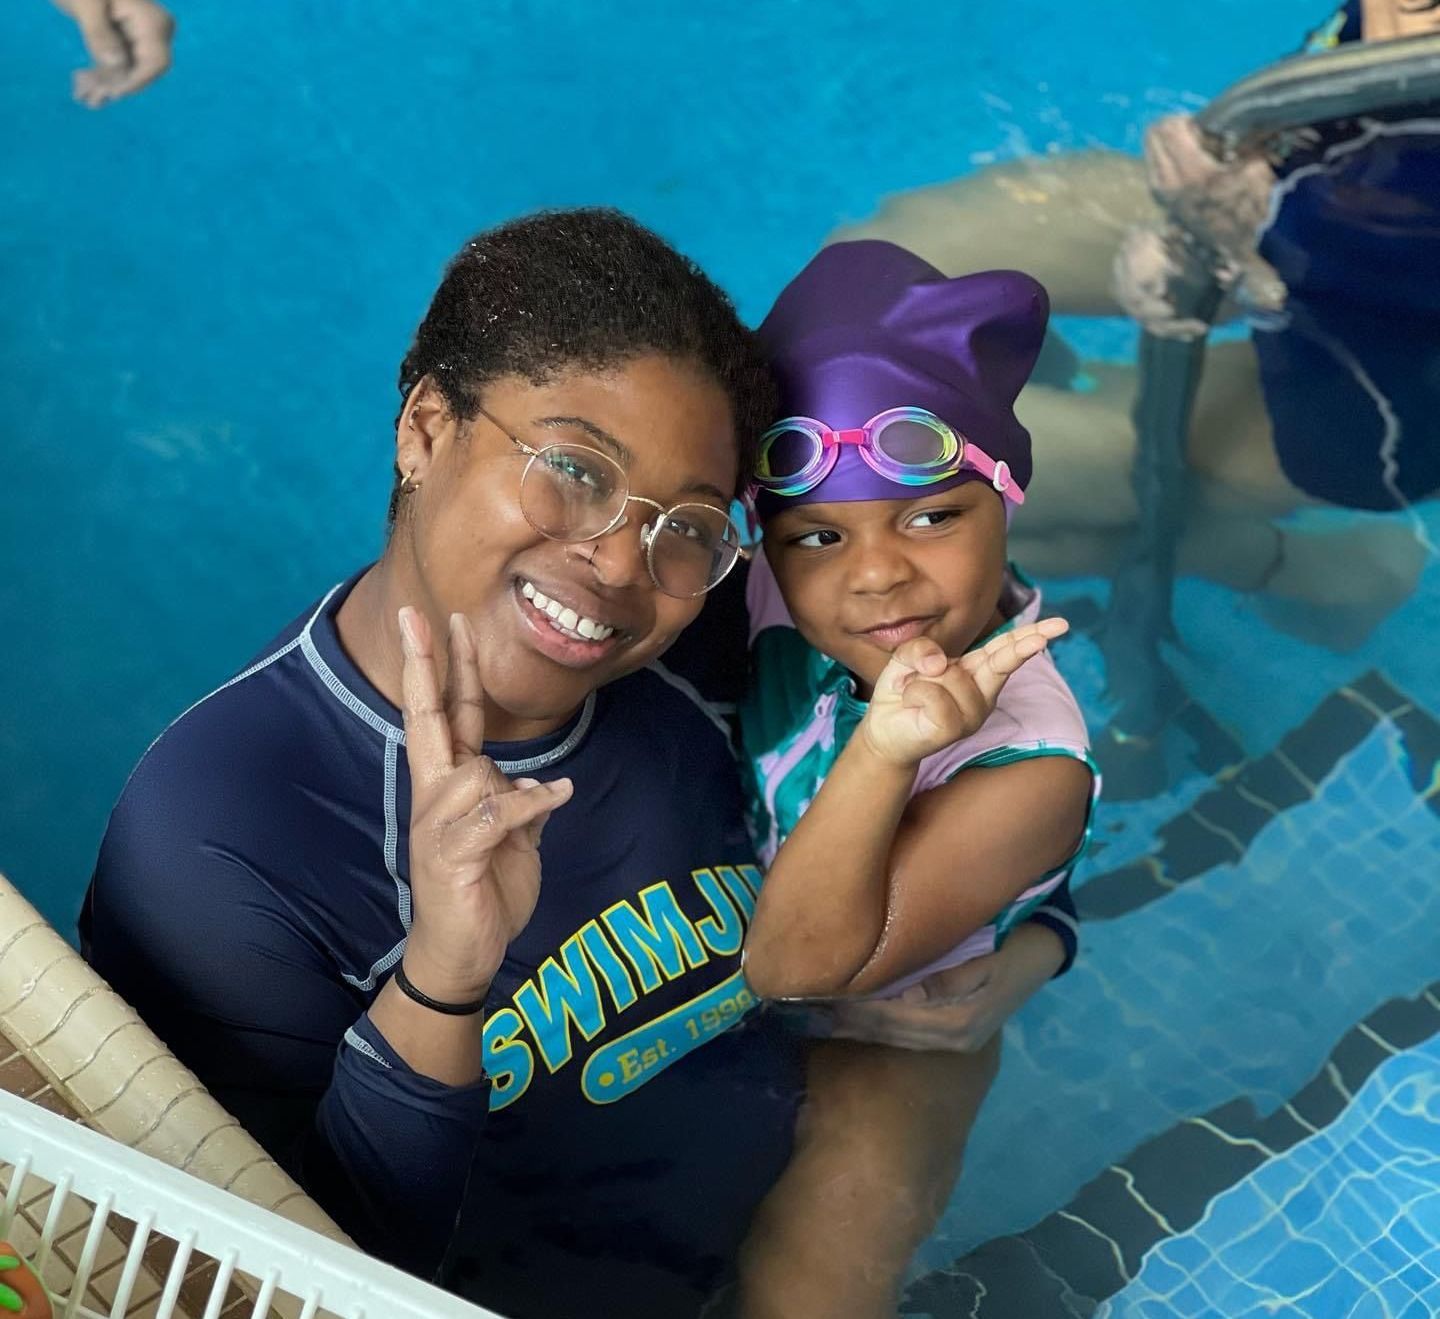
711 653
1057 913
205 948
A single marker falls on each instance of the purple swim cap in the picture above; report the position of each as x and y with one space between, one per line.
868 326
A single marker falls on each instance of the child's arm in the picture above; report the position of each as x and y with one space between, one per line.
956 1010
872 885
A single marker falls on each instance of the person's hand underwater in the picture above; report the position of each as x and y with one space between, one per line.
1148 262
128 40
1219 205
958 1010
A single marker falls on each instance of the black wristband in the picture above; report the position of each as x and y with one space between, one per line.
434 1004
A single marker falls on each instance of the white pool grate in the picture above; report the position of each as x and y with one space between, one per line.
116 1233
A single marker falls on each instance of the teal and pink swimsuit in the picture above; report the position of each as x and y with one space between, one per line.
802 711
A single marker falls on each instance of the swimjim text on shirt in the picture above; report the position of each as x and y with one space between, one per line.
632 949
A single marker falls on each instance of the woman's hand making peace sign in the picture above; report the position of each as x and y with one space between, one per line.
474 835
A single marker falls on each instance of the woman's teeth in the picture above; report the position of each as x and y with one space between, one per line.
566 620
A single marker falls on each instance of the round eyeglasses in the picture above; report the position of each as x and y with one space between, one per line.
571 492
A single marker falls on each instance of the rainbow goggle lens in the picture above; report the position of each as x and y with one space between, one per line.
909 446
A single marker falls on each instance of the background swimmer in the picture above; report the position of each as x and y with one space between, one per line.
1332 402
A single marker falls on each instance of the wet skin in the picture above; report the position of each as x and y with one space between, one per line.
861 578
462 544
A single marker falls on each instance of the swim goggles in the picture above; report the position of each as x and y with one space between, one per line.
909 446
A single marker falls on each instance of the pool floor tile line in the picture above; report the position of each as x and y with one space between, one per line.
1092 1247
1346 1223
1220 825
1132 767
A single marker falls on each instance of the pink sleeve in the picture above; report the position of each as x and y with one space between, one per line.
1036 715
763 600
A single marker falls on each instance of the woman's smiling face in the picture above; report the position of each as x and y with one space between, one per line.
666 423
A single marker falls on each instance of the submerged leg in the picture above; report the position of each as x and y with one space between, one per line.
877 1153
1058 218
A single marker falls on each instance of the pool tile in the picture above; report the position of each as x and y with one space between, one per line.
1190 848
1191 1303
1416 1277
1074 1250
1429 1296
1381 1258
1003 1278
1118 891
1252 1237
1161 1274
1421 732
1295 1266
1274 782
1409 1237
1188 1254
1356 1055
1226 1292
1290 909
1231 811
1338 1293
1376 689
1337 727
1154 1309
1168 1168
1108 1204
1213 747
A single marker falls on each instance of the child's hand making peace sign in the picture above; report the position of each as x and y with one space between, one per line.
924 701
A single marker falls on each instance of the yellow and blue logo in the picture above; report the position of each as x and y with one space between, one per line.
608 968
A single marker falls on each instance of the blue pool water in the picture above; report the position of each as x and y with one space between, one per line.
206 293
208 289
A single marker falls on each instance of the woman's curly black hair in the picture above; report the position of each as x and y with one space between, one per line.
587 289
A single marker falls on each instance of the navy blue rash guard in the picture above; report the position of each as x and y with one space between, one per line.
1351 375
250 899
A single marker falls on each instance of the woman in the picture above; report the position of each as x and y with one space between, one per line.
336 945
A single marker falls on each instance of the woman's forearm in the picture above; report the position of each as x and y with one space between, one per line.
822 909
444 1048
390 1148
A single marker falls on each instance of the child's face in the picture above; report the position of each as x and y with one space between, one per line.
860 578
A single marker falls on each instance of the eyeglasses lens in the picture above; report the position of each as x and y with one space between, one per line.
693 547
572 493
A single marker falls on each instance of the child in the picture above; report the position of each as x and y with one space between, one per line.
919 771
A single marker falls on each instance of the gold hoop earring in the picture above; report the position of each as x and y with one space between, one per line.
408 484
